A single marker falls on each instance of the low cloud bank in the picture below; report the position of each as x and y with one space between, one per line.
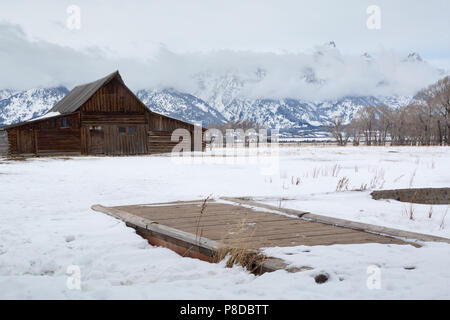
323 74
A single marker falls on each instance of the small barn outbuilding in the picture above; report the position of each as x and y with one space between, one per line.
103 117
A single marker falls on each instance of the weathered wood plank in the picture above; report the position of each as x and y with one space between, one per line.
4 144
233 226
184 243
345 223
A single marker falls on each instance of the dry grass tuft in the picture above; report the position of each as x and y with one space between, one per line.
342 184
411 180
234 249
295 181
335 170
316 172
378 179
237 251
409 212
362 188
442 225
249 259
198 231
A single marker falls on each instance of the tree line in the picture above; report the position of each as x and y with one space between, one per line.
425 121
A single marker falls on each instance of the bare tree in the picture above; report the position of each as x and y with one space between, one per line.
425 121
384 123
339 131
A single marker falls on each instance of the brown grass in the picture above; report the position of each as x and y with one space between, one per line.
342 184
409 212
335 170
411 207
237 251
442 225
316 172
249 259
411 180
377 180
198 234
296 181
363 187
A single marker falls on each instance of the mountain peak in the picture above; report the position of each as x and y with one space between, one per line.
366 56
327 49
414 56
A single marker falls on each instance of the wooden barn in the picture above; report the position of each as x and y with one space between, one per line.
103 117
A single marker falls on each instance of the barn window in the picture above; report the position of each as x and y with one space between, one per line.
122 130
65 122
131 130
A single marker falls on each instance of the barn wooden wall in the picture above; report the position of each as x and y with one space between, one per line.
3 143
46 137
158 122
160 132
94 129
104 118
12 142
112 107
160 142
26 141
113 141
113 98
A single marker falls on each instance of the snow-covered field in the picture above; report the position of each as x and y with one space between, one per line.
46 225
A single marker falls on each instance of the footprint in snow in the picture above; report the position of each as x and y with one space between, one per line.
70 238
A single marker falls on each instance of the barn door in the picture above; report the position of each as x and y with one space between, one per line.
26 141
96 140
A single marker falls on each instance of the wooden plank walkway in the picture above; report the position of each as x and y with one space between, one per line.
224 222
201 228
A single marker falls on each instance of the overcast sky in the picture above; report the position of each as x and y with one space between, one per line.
134 31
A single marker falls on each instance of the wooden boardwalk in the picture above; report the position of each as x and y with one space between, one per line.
200 228
228 223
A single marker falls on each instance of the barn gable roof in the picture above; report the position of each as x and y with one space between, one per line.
80 94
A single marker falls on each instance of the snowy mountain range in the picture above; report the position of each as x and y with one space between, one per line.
298 102
24 105
180 105
290 115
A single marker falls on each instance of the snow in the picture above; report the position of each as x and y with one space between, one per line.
222 101
47 225
47 115
28 104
